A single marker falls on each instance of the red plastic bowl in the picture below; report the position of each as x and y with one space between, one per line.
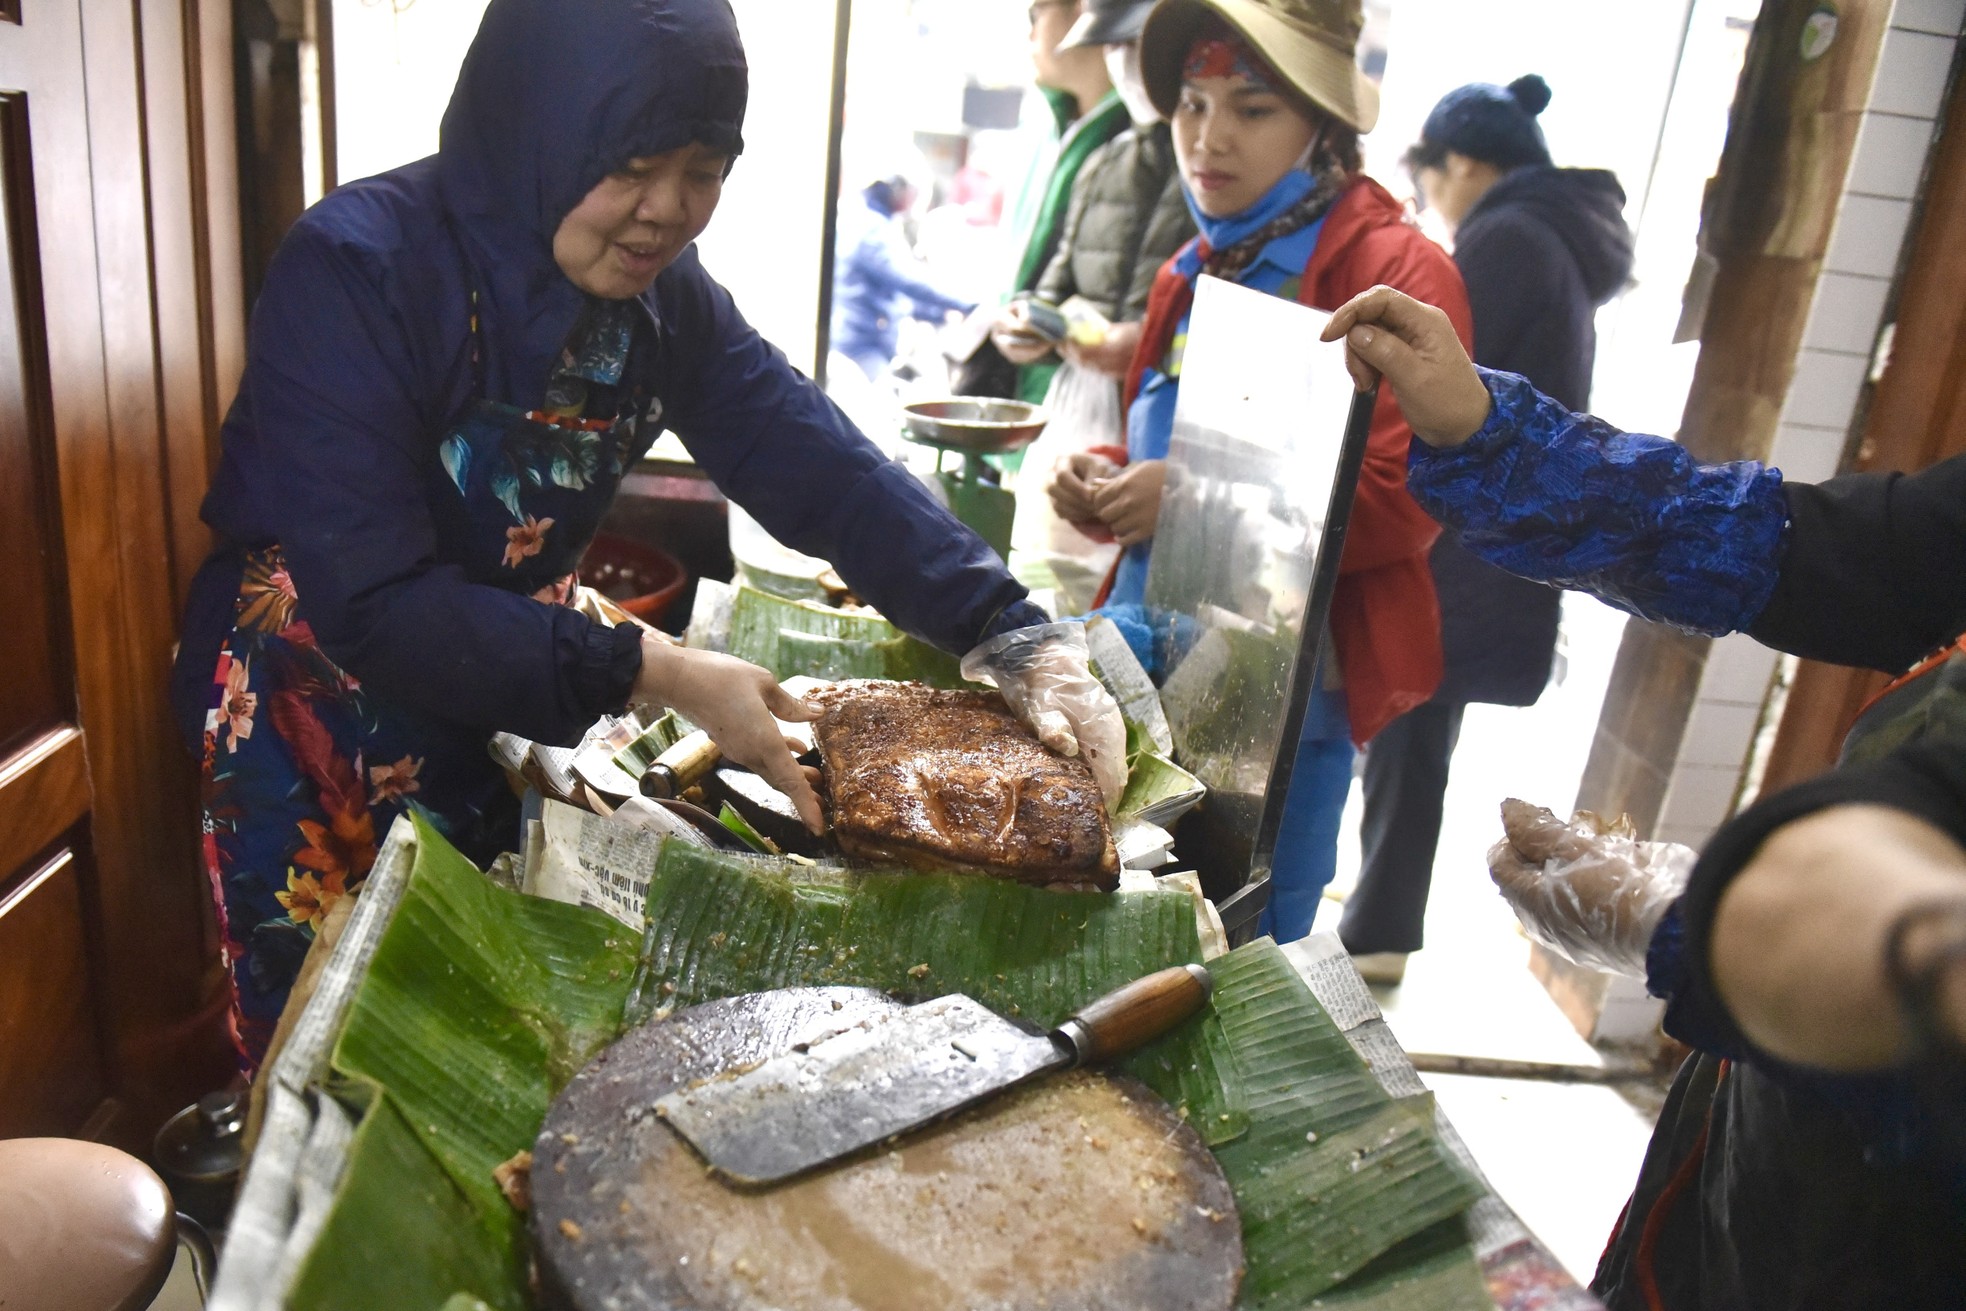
643 580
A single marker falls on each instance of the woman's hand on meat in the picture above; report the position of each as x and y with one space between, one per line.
1112 356
739 706
1013 336
1129 501
1072 484
1413 347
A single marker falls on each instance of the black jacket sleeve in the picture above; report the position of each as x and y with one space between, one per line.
1874 568
1926 779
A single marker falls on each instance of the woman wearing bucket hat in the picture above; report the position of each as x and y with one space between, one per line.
1266 105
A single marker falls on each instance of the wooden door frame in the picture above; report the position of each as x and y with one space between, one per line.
135 420
1916 417
191 150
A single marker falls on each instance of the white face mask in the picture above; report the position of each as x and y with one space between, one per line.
1123 68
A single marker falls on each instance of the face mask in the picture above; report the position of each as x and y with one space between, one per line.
1123 68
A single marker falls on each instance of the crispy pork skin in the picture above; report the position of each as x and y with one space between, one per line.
951 780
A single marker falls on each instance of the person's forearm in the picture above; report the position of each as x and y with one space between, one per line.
1567 499
1799 937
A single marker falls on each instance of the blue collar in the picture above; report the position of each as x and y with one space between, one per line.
1288 254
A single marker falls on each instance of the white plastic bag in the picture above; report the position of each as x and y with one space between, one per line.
1084 411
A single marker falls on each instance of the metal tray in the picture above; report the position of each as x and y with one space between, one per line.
977 425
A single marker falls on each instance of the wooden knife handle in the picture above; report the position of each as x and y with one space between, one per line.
1137 1013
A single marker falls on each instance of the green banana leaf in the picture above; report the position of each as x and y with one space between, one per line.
477 1008
402 1233
1158 790
481 1002
1316 1216
1334 1171
792 587
1435 1270
790 638
635 758
721 924
746 834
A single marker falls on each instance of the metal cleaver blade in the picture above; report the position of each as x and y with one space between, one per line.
889 1075
854 1089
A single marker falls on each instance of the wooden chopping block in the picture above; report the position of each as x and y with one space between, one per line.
1079 1193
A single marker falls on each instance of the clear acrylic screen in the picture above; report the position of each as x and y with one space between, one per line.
1258 426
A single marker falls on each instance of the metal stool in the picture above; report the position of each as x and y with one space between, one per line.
83 1227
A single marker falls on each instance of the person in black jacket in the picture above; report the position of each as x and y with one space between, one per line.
1540 248
1812 1150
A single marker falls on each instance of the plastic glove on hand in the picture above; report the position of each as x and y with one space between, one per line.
1045 675
1591 892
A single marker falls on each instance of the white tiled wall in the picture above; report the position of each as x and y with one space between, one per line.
1911 72
1870 231
1945 17
1847 311
1873 217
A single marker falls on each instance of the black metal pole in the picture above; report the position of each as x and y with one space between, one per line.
829 227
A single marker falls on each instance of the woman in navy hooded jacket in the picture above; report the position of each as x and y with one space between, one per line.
449 369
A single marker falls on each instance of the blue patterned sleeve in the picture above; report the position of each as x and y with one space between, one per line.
1636 521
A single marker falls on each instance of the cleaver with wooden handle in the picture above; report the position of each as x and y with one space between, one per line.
868 1083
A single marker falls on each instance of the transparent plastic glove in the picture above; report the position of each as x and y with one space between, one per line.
1589 891
1046 676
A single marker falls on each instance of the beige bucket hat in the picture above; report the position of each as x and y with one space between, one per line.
1311 43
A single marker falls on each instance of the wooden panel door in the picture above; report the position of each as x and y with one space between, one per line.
53 1059
106 966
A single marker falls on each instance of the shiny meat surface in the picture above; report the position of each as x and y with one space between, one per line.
941 779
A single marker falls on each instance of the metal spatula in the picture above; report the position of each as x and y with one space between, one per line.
857 1088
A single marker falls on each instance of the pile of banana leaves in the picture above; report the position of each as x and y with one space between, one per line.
791 637
480 1003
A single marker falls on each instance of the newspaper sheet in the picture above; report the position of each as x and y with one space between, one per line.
582 858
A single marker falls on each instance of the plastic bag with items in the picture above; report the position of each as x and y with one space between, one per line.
1083 411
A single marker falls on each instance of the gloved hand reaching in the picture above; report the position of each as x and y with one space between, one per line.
1593 893
1045 674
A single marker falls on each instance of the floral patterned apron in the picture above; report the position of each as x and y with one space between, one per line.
304 769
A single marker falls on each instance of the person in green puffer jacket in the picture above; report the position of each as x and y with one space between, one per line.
1088 114
1127 213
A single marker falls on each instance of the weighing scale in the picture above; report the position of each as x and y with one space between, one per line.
974 427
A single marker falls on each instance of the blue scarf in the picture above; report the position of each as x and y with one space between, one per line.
1297 199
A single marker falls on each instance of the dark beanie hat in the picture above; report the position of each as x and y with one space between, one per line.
1496 125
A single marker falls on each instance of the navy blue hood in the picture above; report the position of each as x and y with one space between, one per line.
554 95
1585 207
